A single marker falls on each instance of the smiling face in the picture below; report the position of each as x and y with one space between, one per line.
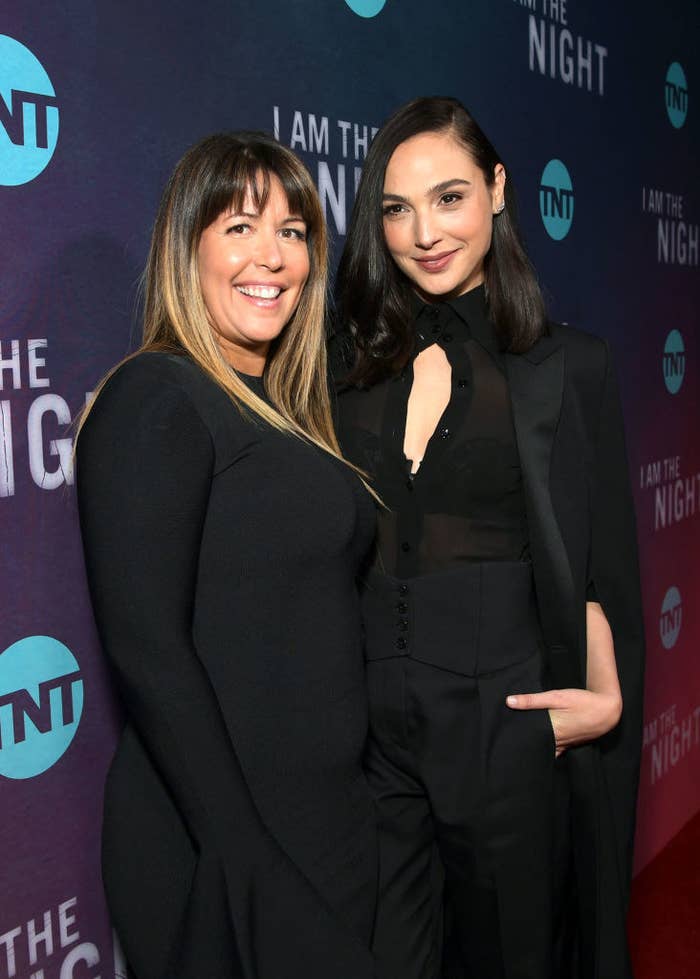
252 271
438 214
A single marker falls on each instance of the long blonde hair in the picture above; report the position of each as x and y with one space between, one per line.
215 174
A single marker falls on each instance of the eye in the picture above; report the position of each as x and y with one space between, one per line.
392 210
450 198
293 234
238 229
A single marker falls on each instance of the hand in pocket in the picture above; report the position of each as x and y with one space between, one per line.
577 715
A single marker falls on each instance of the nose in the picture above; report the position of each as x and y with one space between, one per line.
426 234
268 253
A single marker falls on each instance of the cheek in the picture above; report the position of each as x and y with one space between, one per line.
474 225
397 238
302 267
218 265
206 281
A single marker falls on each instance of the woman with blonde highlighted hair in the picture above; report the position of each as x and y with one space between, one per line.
222 534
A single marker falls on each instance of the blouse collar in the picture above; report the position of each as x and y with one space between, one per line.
461 318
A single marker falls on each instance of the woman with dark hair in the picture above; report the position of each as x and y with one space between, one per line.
501 607
222 534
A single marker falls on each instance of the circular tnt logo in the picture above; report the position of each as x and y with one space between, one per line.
671 617
676 95
28 114
556 200
674 362
41 701
366 8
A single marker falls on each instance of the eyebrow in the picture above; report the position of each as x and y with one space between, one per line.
436 189
251 215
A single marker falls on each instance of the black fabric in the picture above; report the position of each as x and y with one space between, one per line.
239 836
497 819
581 536
466 501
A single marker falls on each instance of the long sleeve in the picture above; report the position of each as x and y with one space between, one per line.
145 467
614 574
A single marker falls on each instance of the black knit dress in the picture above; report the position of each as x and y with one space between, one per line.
221 555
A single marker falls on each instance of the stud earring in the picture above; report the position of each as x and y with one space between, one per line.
501 207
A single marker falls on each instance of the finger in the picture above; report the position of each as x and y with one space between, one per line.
528 701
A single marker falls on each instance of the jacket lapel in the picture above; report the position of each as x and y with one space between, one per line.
536 382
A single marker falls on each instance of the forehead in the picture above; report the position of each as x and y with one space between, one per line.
428 159
257 195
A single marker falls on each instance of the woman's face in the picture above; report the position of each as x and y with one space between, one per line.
252 270
438 214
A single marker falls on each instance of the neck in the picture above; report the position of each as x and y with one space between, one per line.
245 360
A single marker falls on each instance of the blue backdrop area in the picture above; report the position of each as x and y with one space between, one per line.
592 106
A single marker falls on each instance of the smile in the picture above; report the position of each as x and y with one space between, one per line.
260 292
436 263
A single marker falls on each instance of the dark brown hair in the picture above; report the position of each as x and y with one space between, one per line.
374 295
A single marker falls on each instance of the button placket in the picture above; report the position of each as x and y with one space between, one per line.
402 607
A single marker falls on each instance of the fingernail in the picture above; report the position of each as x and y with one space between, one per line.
512 701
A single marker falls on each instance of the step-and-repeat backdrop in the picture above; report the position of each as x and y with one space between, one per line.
595 108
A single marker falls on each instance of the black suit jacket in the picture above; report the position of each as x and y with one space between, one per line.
570 435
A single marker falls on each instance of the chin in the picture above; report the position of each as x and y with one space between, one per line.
434 288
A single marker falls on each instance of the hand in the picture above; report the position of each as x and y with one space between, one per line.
576 715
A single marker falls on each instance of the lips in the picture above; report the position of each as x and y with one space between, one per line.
436 263
260 291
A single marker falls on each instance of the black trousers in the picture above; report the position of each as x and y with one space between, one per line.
472 807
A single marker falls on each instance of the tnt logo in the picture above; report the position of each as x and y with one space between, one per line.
41 701
671 617
366 8
556 200
28 114
674 362
676 95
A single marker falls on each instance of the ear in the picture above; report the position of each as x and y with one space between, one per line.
498 188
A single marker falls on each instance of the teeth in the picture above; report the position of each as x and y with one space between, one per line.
260 292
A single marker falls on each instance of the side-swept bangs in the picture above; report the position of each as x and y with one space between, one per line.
228 169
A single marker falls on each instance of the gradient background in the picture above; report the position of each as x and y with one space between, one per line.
136 84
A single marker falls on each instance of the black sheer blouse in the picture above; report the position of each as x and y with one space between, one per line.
466 501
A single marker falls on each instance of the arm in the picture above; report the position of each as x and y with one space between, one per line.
614 668
582 715
601 669
144 468
145 464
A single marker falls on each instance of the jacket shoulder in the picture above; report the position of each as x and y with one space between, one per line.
587 356
582 342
